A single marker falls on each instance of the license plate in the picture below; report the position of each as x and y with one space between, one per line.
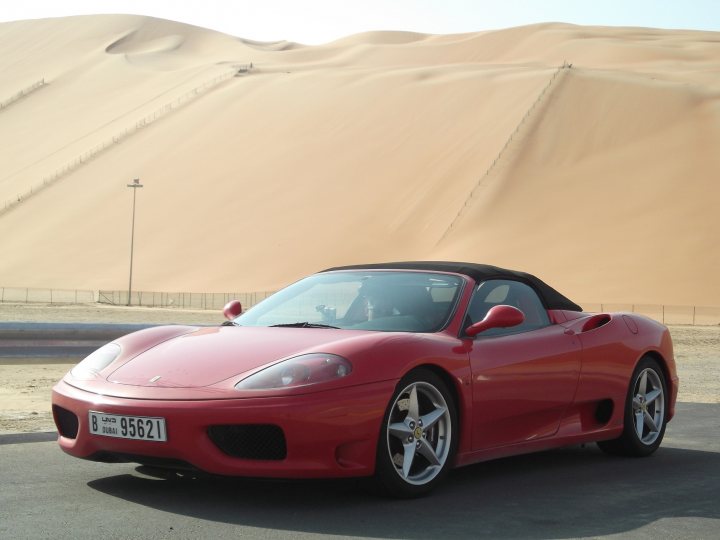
142 428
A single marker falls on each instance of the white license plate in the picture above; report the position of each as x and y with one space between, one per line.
142 428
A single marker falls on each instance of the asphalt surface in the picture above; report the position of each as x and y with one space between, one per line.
568 493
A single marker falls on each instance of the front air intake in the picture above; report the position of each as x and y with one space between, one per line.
66 422
250 441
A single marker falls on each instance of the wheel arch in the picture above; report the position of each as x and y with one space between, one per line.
446 378
454 387
667 366
632 441
655 355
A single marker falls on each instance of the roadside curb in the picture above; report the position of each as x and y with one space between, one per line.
18 438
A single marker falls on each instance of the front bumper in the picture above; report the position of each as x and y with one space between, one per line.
328 434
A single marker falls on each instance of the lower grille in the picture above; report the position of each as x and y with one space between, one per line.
250 441
66 422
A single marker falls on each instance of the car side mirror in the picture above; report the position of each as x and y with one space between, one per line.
232 309
497 317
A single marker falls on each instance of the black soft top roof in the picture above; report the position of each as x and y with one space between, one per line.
479 272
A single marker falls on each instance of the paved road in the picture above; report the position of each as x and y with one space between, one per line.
569 493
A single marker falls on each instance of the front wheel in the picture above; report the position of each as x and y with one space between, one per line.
418 437
645 408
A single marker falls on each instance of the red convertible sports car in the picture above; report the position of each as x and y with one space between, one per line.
398 371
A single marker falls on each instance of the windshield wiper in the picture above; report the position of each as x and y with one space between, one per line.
304 325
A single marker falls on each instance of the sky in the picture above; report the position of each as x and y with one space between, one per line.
318 21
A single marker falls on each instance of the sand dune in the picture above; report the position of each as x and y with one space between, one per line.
600 178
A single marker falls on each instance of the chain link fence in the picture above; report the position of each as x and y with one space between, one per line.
691 315
181 300
15 295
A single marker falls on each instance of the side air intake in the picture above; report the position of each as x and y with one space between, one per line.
596 321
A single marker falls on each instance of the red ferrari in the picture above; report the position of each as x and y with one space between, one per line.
398 371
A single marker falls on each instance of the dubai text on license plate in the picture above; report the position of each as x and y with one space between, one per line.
143 428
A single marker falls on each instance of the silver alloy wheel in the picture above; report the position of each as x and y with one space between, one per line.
419 433
648 406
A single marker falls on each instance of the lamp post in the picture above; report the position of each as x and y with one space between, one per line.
136 184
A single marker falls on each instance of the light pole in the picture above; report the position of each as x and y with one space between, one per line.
136 184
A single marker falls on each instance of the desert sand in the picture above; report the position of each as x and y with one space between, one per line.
585 155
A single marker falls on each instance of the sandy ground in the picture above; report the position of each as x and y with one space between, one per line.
697 354
25 389
101 313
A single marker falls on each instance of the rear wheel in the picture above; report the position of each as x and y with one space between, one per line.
645 408
418 438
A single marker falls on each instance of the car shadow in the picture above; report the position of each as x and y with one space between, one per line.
571 492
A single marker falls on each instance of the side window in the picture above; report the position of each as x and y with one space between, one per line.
497 292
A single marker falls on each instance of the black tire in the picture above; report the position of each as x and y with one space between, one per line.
638 438
429 430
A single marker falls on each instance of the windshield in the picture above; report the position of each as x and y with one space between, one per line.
361 300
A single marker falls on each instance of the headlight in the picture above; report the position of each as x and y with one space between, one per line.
96 361
302 370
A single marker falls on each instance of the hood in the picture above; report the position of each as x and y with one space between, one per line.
210 355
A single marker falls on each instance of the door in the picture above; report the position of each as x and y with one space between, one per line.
525 377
